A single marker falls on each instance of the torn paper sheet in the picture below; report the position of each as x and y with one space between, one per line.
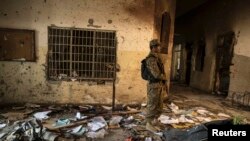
97 123
62 122
99 134
130 125
166 120
42 115
223 115
204 119
183 119
175 109
94 126
79 116
115 120
78 131
49 136
107 107
2 125
2 135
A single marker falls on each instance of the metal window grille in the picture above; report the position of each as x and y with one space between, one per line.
82 54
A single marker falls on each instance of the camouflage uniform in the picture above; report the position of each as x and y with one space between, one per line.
155 90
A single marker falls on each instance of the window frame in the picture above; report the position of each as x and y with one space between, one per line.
94 71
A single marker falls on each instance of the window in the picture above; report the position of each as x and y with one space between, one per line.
82 54
17 45
200 55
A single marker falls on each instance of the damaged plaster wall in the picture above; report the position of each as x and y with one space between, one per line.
210 20
161 7
27 82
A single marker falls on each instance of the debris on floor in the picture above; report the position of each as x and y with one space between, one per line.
95 121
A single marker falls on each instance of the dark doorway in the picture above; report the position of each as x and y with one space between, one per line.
189 51
224 55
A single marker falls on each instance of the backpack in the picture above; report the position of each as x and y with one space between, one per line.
145 73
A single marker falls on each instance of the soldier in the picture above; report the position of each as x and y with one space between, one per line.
155 88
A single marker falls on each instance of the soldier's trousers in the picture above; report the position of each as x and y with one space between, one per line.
155 94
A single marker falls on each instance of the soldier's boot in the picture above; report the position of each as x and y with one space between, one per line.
155 122
150 127
158 125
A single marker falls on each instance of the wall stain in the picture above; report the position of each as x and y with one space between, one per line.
141 9
2 82
110 21
2 94
18 81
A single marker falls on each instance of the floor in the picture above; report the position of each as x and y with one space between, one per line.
187 97
184 97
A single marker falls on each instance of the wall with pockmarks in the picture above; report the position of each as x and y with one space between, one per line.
133 21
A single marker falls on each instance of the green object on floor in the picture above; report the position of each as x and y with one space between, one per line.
237 120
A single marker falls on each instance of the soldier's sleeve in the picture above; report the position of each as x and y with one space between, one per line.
154 69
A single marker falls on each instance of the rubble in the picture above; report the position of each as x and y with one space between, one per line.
95 121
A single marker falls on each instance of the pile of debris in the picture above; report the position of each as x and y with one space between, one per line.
94 121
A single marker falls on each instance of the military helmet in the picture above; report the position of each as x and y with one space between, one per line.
154 43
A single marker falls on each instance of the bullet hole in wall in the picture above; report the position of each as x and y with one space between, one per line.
110 21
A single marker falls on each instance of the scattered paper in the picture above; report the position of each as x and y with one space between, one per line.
42 115
97 123
99 134
49 136
115 120
130 125
94 126
223 115
202 111
79 116
73 79
2 125
2 135
62 122
166 120
183 119
204 119
130 118
131 109
107 107
175 109
148 139
172 106
79 130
